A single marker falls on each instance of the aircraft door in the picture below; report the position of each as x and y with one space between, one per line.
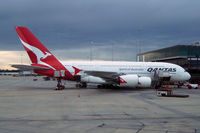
59 73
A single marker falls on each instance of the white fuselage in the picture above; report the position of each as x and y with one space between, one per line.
142 69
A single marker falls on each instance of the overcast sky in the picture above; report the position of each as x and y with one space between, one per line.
68 26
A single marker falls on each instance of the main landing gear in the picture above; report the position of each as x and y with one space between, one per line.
59 85
81 85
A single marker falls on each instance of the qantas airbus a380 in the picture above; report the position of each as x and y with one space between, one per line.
116 73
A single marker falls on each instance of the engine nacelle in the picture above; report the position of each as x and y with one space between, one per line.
132 80
144 82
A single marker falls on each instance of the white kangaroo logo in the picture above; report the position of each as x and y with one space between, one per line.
45 55
39 54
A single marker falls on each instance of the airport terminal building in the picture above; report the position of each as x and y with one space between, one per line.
187 56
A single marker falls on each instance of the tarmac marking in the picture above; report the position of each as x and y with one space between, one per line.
183 114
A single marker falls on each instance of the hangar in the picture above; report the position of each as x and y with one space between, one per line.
187 56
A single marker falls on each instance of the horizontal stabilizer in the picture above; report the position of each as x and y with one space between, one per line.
29 67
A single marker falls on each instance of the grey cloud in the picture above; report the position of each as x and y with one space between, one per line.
69 24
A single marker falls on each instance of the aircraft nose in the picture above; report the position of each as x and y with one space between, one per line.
187 76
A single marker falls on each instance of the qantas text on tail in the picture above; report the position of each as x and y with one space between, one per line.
117 73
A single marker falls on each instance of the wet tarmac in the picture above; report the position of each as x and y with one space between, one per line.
28 106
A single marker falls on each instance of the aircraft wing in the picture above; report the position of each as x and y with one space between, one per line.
110 77
28 67
102 74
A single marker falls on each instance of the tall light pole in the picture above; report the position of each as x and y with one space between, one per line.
139 43
137 50
91 43
112 52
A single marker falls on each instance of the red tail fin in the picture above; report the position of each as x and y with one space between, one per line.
31 44
37 52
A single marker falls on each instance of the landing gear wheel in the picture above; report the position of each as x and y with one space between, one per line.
99 86
81 85
106 86
59 85
78 85
84 85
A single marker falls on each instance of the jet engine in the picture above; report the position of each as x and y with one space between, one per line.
144 82
132 80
